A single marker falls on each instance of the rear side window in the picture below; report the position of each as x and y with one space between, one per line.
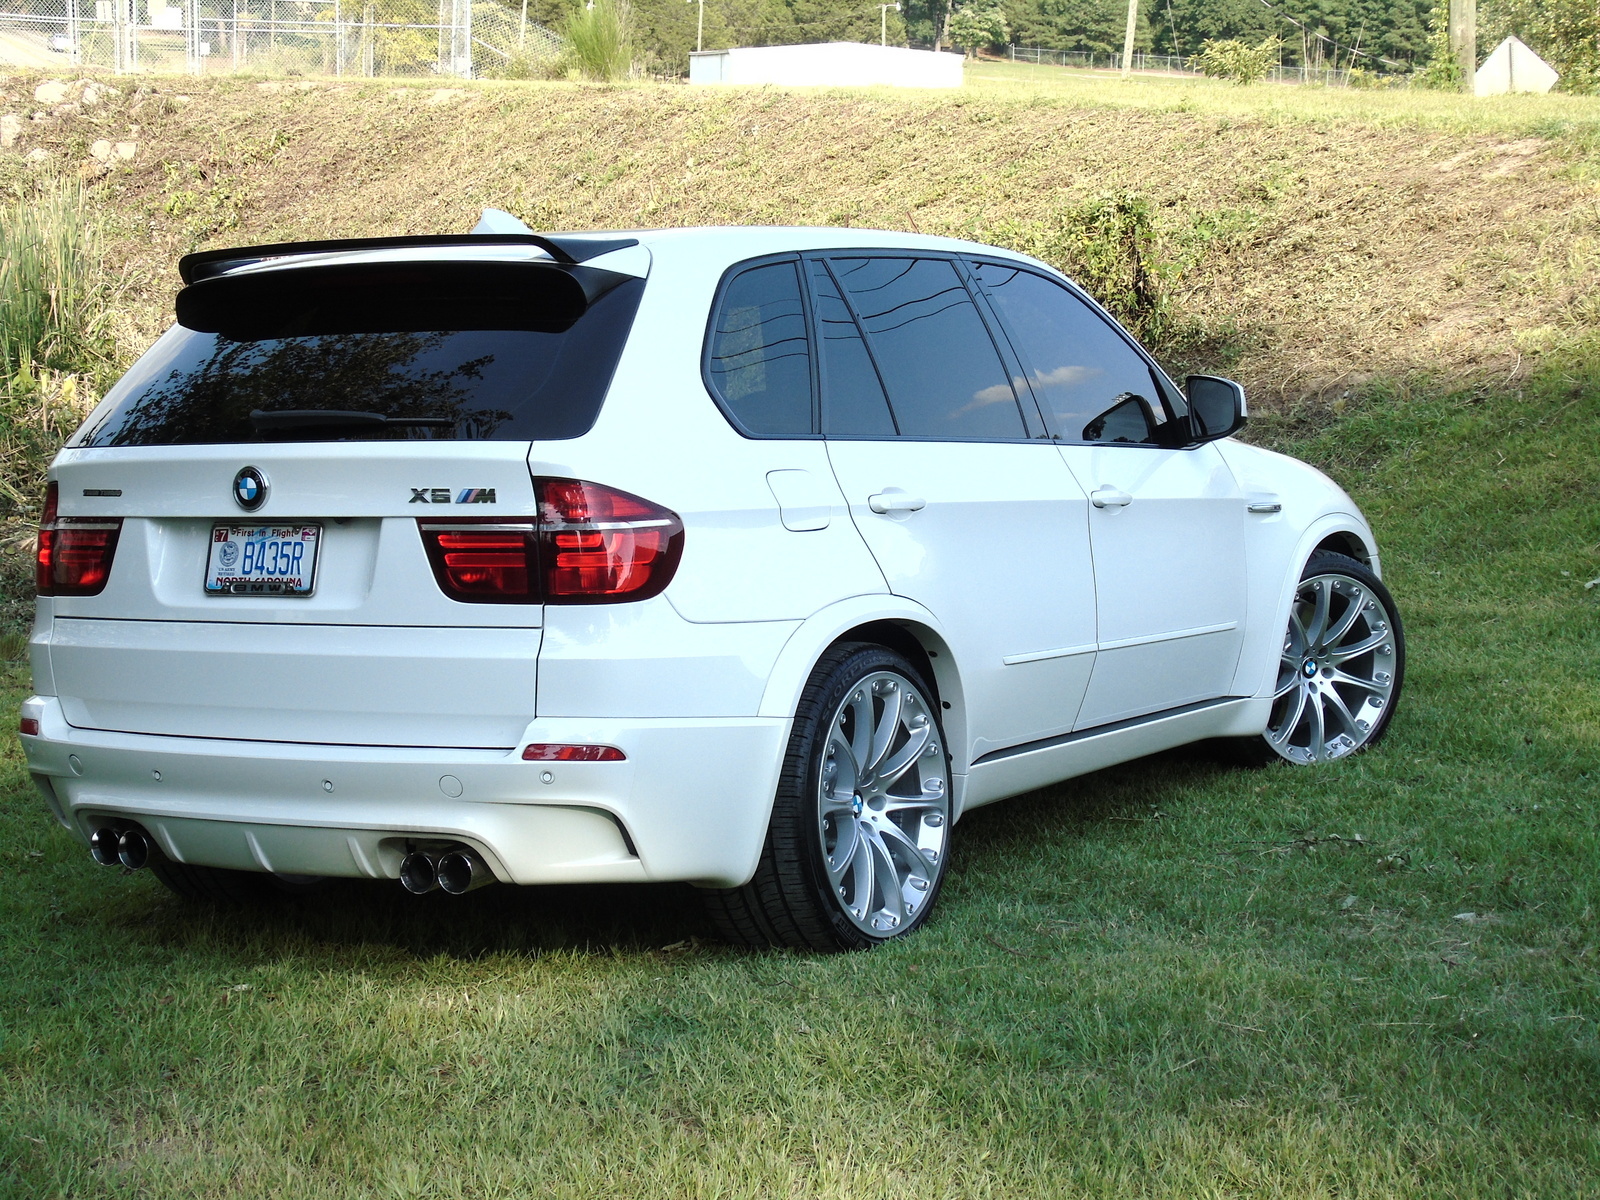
524 352
940 367
1085 375
759 357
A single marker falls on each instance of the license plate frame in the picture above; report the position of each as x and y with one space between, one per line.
233 573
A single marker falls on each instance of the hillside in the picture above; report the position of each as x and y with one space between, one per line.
1303 254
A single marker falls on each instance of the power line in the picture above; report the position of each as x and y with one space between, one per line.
1324 37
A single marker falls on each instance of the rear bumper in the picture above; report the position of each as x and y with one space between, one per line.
691 801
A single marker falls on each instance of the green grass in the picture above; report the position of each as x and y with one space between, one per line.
1554 115
1170 979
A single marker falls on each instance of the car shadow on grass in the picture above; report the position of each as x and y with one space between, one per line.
643 918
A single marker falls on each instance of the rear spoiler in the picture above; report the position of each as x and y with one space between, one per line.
564 249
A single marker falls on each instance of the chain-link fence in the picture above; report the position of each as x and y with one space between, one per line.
459 38
1176 64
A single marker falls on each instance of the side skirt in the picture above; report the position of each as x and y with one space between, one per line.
1018 769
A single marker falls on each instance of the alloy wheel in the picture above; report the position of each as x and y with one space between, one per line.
883 804
1337 672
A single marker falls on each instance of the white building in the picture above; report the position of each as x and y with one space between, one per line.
828 64
1513 68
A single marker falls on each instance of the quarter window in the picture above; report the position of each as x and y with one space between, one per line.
1082 371
938 363
760 357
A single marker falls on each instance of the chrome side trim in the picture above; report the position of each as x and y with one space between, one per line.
1012 660
1175 635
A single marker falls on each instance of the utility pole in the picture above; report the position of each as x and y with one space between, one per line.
883 21
1464 39
1127 40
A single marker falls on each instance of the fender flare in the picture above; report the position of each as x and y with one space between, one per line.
1323 527
798 658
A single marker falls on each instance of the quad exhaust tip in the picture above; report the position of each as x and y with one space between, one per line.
455 871
419 872
133 849
462 871
103 846
111 847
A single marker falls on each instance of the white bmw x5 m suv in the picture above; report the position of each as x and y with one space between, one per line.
746 557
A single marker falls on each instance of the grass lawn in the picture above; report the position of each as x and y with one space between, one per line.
1170 979
1551 115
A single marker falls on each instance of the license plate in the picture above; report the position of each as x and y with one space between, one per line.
262 560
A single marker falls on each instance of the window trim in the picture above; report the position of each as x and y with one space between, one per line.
821 259
734 271
1000 344
1170 395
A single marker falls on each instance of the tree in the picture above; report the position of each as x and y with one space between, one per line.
977 23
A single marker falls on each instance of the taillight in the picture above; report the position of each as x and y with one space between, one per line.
598 544
74 553
590 544
487 562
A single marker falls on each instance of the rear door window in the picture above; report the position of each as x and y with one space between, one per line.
525 352
943 374
853 401
758 360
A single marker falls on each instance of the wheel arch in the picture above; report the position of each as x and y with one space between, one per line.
904 627
1349 542
1339 532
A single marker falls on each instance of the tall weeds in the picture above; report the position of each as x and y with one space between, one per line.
56 350
597 40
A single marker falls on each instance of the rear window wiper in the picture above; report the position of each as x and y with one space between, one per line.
316 418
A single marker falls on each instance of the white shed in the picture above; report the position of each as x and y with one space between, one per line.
1513 68
827 64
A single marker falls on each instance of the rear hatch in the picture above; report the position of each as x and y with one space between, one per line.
277 463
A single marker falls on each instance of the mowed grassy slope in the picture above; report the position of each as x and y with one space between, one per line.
1169 979
1311 244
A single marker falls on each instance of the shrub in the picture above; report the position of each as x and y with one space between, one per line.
1230 58
1107 245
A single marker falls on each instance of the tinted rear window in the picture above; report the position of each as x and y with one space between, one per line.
498 384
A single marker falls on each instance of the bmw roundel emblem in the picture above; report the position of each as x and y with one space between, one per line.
250 489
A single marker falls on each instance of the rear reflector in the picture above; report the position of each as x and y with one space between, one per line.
74 553
590 544
548 752
29 726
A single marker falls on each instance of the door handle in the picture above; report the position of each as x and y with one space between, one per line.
895 502
1110 497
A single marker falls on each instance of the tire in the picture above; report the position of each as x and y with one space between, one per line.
853 857
1340 671
229 888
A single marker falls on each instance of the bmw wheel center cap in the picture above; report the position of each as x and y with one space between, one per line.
250 488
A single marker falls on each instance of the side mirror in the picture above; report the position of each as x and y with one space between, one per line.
1216 407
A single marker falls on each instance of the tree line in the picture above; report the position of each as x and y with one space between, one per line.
1383 36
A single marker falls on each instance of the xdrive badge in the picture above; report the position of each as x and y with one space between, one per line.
250 489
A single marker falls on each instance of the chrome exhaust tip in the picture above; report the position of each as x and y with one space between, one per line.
133 849
419 872
463 871
103 846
